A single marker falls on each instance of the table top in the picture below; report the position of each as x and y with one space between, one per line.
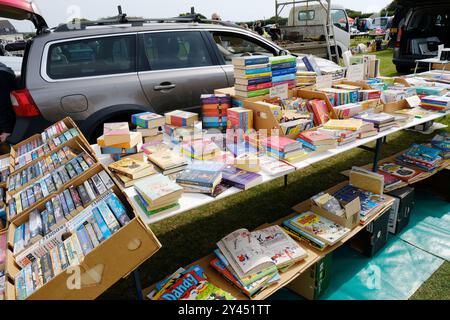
190 201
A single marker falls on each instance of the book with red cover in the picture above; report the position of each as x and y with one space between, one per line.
320 110
389 179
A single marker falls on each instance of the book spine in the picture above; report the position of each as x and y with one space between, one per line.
106 233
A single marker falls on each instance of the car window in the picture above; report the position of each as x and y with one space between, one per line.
306 15
232 45
339 19
173 50
429 19
92 57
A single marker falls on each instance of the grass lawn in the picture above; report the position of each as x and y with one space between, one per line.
192 235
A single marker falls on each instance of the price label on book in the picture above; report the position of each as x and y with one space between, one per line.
281 91
325 81
355 72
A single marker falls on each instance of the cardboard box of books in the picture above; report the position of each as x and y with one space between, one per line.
264 117
312 283
79 243
51 139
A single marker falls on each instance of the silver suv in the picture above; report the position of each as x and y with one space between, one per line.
102 72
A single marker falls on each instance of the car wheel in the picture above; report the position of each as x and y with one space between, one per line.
403 69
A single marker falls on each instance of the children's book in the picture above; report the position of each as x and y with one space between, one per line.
399 171
245 254
326 230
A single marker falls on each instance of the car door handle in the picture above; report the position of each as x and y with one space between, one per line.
163 87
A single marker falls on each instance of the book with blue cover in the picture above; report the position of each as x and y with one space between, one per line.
202 178
250 60
285 77
282 72
117 209
284 65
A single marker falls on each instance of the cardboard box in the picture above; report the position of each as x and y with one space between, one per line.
350 219
401 210
264 118
112 260
312 283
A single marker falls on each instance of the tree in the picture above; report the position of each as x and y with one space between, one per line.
188 14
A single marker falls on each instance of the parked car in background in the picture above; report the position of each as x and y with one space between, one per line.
418 28
105 72
383 23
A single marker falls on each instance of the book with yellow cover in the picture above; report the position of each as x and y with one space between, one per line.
347 124
167 159
131 168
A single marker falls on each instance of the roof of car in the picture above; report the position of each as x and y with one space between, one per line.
65 31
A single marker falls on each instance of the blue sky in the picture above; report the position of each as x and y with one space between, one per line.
59 11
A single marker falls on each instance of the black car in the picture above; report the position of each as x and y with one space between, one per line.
418 28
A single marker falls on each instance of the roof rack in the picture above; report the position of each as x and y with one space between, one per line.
122 19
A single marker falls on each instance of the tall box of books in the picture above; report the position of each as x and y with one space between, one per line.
312 283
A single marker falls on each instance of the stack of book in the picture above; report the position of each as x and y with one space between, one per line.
442 142
306 78
252 260
150 125
240 119
424 157
400 172
381 121
167 160
157 194
315 230
51 255
274 167
253 76
201 178
190 284
215 107
349 110
200 149
437 103
129 170
343 137
117 140
346 124
284 71
317 141
284 148
367 130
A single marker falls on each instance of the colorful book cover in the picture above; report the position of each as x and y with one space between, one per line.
251 60
147 120
239 178
117 209
156 187
199 178
282 72
320 227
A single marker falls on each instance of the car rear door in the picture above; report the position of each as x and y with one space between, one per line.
22 10
176 67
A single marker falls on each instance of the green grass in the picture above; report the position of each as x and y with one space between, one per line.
192 235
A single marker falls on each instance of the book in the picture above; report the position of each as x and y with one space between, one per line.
190 284
282 144
239 178
251 60
243 73
253 82
132 140
317 138
202 178
401 172
320 227
376 118
311 64
275 168
347 124
117 209
116 129
148 120
251 94
131 168
244 253
279 246
157 189
180 118
167 159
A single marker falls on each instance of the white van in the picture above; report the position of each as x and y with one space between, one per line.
308 21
